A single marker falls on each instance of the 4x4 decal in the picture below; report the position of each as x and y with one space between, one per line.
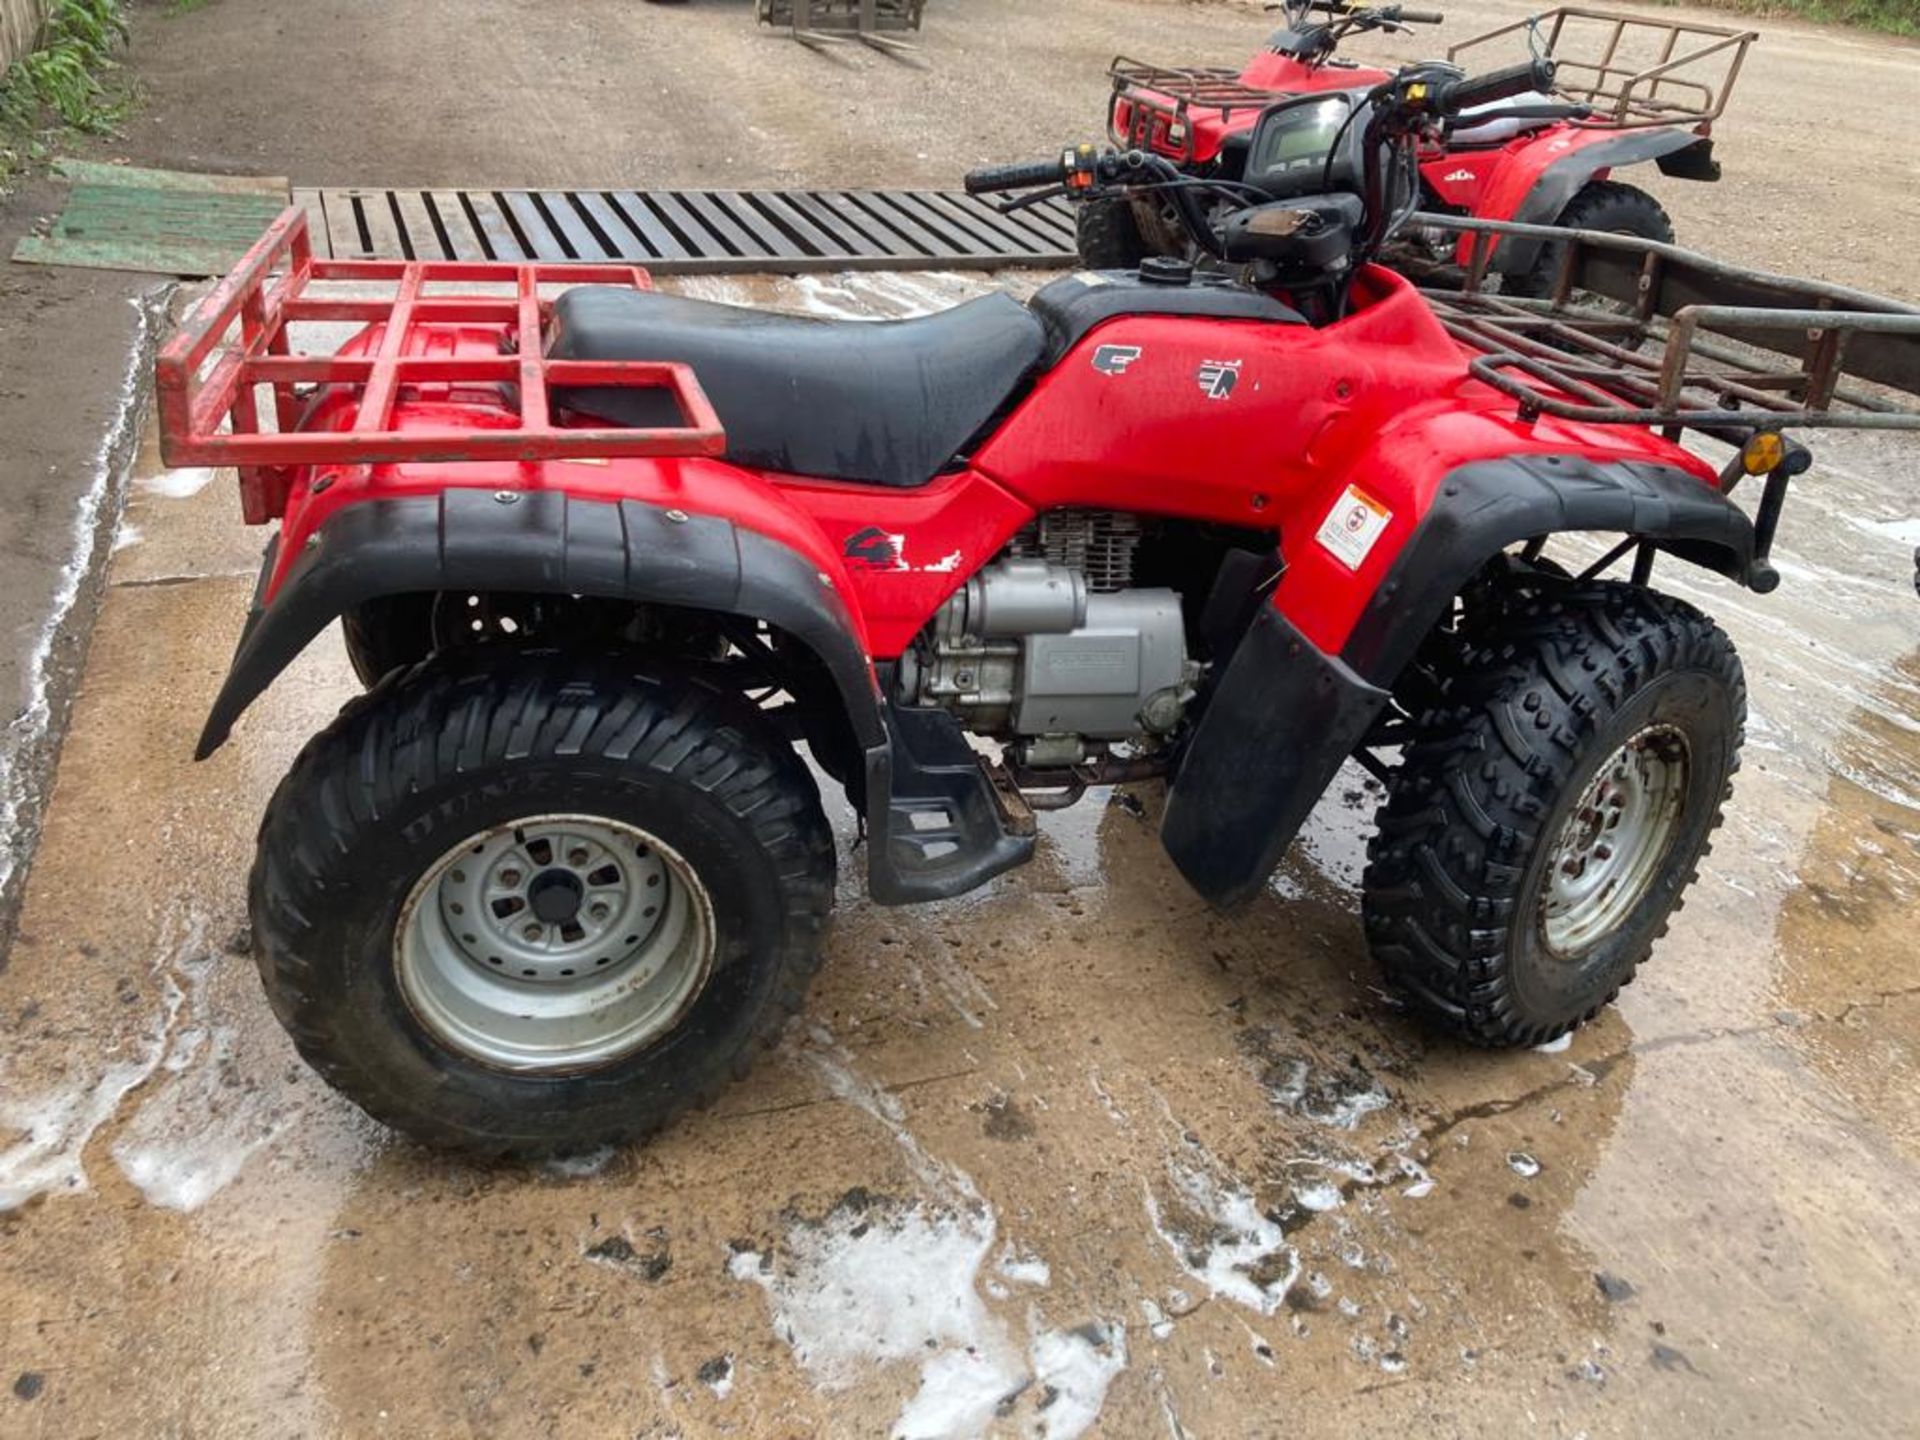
874 548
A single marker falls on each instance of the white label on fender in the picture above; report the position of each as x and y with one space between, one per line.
1352 526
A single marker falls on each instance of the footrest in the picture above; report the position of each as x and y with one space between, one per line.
939 825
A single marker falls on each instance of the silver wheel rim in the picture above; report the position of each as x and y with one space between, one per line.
1611 848
555 943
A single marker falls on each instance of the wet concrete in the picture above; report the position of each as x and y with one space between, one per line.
1070 1156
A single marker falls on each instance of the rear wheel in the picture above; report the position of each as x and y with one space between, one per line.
1552 809
1109 235
1607 206
388 633
539 904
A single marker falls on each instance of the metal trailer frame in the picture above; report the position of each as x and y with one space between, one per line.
819 23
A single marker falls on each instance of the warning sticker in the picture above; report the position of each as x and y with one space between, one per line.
1352 526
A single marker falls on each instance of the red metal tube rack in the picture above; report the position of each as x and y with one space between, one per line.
235 341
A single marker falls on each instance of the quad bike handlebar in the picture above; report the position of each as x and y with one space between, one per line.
1379 14
1025 176
1529 77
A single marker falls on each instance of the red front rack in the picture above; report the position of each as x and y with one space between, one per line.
209 374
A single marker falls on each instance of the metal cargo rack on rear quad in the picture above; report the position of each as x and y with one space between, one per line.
1151 107
1633 71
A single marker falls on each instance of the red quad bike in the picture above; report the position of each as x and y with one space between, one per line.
609 560
1640 90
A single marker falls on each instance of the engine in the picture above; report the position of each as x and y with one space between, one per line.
1053 646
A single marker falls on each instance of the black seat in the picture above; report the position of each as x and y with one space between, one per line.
887 402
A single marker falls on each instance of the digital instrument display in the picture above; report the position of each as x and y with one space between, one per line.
1291 143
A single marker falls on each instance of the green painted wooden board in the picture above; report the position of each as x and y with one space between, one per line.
118 217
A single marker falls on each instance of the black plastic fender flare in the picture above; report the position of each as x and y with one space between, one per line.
1484 507
541 542
1284 714
1563 179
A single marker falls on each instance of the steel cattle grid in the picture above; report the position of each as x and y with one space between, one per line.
692 232
209 375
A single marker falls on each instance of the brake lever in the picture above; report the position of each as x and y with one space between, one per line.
1034 197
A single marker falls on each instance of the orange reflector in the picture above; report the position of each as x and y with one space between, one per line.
1763 453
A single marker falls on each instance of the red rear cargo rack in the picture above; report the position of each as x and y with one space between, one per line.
209 374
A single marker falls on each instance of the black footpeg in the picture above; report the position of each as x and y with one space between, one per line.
939 824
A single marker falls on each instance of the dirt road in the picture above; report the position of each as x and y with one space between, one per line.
1071 1156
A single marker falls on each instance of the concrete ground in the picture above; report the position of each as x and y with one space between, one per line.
1073 1140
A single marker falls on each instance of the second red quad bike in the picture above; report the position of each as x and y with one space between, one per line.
1627 92
615 565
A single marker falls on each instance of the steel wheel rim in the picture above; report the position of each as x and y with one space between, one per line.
554 944
1611 849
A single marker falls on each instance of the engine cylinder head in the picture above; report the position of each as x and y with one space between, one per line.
1025 597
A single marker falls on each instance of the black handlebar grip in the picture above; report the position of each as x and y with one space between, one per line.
1526 78
1420 17
1029 176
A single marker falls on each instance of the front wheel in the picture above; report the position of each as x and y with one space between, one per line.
1552 809
519 903
1109 235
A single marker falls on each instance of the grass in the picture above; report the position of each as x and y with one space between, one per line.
1890 17
62 85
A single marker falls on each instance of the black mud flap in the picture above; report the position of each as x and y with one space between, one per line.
1272 737
1690 162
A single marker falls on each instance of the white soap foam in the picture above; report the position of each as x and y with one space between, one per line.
1024 1268
57 1125
876 1284
1318 1196
960 1393
1075 1368
192 1137
177 484
1221 1238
